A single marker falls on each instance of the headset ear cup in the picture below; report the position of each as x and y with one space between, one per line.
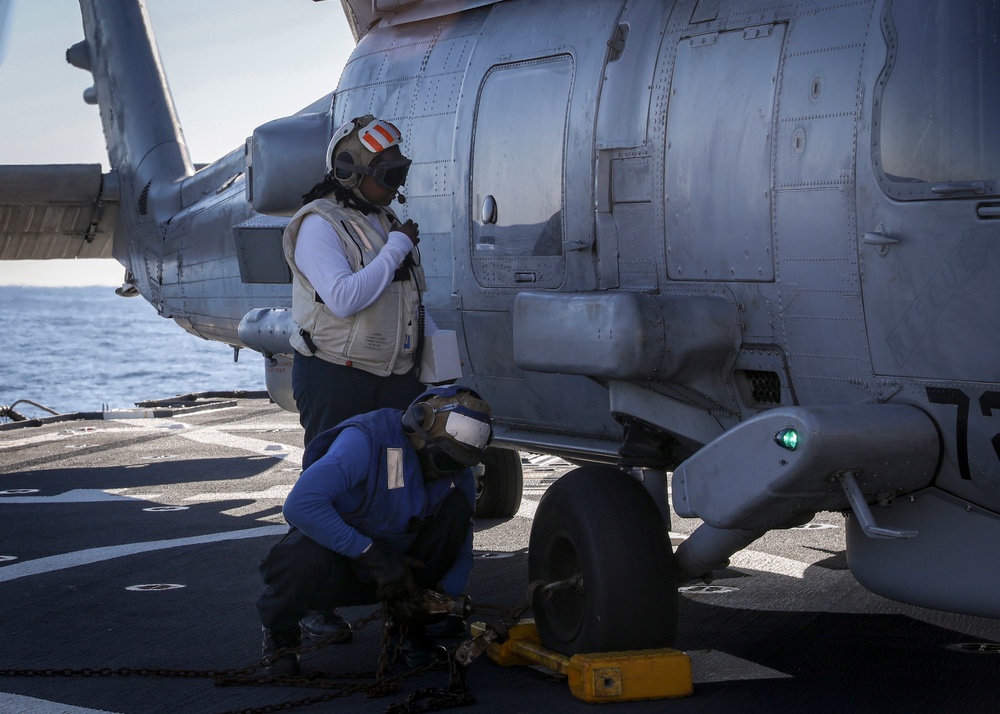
346 177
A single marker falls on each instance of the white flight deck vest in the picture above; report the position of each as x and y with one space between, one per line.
380 339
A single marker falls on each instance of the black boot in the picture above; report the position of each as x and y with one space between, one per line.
418 648
284 665
325 626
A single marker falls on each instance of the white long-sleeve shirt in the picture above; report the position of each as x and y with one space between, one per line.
320 256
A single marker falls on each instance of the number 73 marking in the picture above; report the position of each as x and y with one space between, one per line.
988 401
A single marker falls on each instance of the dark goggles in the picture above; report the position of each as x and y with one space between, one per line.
390 174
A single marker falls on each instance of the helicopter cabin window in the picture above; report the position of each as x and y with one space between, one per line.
518 156
939 100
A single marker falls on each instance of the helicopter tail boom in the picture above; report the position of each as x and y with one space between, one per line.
145 143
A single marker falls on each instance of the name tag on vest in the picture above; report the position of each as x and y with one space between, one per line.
394 465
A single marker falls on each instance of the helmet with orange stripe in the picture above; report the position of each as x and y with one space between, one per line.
356 150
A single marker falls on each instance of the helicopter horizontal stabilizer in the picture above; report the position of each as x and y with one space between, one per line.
57 211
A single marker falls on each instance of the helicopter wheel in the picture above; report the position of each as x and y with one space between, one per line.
602 570
498 489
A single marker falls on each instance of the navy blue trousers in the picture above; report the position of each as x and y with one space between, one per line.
327 394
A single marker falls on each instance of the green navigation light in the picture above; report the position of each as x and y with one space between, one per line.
787 438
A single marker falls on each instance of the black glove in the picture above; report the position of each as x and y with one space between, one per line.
391 572
409 229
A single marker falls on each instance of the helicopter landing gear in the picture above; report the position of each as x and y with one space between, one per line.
608 578
498 489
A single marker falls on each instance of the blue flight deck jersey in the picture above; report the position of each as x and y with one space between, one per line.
338 504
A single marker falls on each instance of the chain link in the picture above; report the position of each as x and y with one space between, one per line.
456 694
343 684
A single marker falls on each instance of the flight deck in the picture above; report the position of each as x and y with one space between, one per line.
132 544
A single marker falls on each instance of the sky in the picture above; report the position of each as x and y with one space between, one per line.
231 66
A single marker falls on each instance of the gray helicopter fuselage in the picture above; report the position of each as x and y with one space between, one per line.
687 214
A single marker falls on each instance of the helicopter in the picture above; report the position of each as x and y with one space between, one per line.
735 256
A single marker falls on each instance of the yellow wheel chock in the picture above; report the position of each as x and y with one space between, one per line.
624 676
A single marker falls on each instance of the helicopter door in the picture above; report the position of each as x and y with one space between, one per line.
518 156
930 229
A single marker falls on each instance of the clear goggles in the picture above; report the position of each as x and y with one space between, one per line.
467 433
467 427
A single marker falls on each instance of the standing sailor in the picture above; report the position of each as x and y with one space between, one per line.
356 283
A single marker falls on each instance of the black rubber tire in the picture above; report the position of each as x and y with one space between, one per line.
498 490
602 522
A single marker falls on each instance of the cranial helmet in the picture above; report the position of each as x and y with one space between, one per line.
354 151
450 426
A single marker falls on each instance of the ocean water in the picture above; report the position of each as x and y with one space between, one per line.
79 349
